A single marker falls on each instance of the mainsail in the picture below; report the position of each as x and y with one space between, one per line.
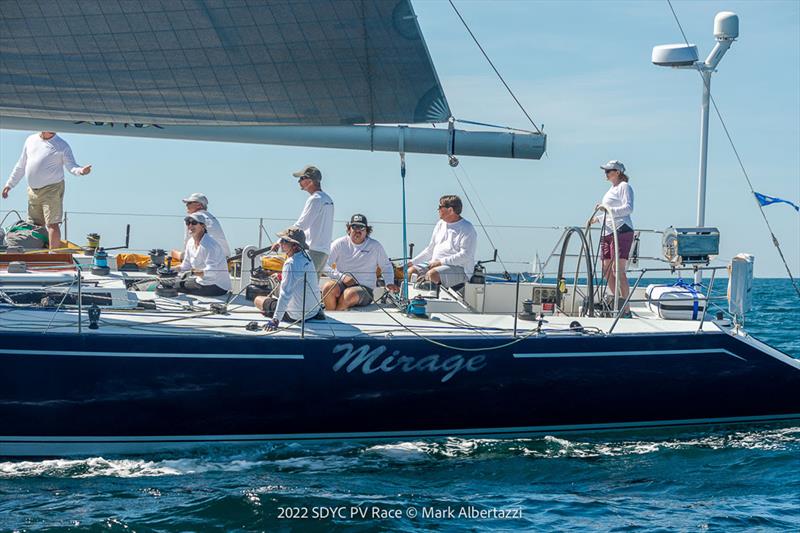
317 73
226 62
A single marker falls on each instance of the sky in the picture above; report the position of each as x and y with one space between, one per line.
580 68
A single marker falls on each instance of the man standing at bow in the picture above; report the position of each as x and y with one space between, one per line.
43 159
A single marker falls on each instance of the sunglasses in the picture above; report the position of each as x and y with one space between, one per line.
190 221
611 170
358 227
445 206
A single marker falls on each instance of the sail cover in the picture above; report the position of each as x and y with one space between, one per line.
217 62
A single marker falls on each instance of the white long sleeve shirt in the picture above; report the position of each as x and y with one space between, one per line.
43 162
453 244
207 257
619 200
316 221
214 229
296 270
360 261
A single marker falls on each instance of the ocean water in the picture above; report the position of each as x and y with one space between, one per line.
736 479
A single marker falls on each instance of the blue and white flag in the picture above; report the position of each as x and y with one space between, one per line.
763 199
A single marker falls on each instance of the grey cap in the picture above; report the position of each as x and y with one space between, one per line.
614 165
295 235
197 197
310 171
199 217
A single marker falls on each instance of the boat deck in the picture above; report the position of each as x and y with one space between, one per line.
194 315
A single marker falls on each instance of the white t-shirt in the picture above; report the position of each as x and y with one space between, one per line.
43 162
292 288
619 199
214 229
360 261
316 221
453 244
209 258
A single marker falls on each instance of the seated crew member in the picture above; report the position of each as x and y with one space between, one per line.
203 261
356 256
198 203
299 285
449 258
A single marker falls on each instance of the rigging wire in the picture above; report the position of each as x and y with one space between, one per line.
539 131
739 159
486 124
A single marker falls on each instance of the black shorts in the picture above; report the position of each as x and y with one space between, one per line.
190 286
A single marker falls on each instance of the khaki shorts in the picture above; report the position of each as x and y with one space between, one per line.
46 204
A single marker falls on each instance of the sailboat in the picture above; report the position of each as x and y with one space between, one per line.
89 364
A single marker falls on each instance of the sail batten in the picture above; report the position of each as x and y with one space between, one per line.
207 63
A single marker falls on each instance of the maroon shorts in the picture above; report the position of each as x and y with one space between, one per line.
625 240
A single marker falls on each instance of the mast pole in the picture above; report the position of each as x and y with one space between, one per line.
701 180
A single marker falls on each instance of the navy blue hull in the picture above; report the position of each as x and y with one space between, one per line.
113 386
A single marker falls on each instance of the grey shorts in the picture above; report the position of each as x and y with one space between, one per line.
365 294
449 274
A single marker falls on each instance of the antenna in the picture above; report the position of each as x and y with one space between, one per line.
726 30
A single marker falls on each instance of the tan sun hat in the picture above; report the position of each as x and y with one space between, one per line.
295 235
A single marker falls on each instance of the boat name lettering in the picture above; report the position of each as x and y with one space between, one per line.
373 360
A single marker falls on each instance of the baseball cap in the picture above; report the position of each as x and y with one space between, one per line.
309 171
197 197
614 165
358 219
199 217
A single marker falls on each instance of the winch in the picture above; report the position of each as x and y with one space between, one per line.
100 266
92 243
167 279
157 256
262 283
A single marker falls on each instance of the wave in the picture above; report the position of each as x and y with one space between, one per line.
359 456
122 468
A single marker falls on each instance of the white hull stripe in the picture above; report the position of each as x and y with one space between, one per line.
159 354
700 351
5 440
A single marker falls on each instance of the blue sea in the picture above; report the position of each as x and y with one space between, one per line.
739 479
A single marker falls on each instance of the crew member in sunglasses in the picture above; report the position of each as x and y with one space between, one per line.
356 257
204 265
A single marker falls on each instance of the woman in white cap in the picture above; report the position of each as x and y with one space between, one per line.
203 261
618 201
299 285
197 202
